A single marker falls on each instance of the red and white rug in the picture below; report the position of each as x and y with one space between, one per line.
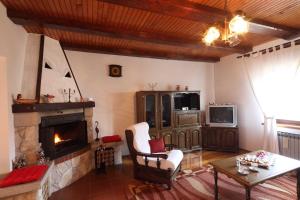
200 185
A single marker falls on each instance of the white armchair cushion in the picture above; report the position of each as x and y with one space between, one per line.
141 137
172 162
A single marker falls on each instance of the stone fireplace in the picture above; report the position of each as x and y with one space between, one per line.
72 155
62 124
63 134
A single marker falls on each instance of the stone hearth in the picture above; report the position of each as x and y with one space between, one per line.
69 171
27 142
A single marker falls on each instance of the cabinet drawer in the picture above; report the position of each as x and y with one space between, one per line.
187 119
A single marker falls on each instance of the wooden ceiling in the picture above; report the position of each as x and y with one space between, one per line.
167 29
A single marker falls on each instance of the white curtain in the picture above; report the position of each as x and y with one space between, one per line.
275 81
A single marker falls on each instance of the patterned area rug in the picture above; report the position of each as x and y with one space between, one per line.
200 185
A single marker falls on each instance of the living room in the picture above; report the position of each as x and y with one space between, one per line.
89 61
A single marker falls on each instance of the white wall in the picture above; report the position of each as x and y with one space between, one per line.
4 107
115 97
232 85
54 80
28 87
12 48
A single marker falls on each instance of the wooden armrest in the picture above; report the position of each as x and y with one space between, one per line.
151 155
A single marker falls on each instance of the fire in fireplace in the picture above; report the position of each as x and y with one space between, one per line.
63 134
57 139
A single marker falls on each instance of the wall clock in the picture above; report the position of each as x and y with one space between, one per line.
115 70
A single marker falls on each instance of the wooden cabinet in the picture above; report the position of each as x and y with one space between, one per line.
220 138
181 138
147 110
163 111
195 138
188 139
168 136
229 139
210 138
187 118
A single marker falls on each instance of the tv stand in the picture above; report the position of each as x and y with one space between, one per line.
220 138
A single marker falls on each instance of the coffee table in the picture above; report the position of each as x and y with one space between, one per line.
282 166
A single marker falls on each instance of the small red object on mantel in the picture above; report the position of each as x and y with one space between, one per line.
111 138
24 175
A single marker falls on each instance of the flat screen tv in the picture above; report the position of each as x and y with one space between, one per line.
221 115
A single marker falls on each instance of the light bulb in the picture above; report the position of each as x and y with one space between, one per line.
211 35
238 25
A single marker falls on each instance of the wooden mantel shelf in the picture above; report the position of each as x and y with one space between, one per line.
45 107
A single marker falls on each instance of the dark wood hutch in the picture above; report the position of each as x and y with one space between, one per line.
176 116
173 115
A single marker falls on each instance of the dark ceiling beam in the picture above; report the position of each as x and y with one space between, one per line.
137 53
118 33
177 8
197 12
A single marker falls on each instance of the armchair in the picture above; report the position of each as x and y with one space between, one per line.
158 167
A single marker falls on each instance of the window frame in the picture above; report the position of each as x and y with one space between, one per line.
288 123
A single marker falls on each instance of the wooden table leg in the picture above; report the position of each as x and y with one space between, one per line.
248 190
216 184
298 184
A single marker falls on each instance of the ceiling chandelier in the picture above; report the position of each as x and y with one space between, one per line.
231 31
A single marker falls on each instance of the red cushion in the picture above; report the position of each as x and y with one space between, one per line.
111 138
157 145
24 175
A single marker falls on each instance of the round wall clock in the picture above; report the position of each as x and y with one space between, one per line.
115 70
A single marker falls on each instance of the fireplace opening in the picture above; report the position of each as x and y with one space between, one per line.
63 134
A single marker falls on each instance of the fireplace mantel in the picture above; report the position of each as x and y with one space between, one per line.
45 107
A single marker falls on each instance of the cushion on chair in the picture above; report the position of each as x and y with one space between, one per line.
157 145
141 137
173 160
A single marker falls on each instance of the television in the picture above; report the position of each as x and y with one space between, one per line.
221 115
187 101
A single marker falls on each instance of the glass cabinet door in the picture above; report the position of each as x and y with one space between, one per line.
150 110
165 110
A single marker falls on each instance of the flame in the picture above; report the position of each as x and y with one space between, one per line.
57 139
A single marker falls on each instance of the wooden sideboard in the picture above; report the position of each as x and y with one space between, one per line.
220 138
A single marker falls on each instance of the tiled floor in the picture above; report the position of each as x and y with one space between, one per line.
113 184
